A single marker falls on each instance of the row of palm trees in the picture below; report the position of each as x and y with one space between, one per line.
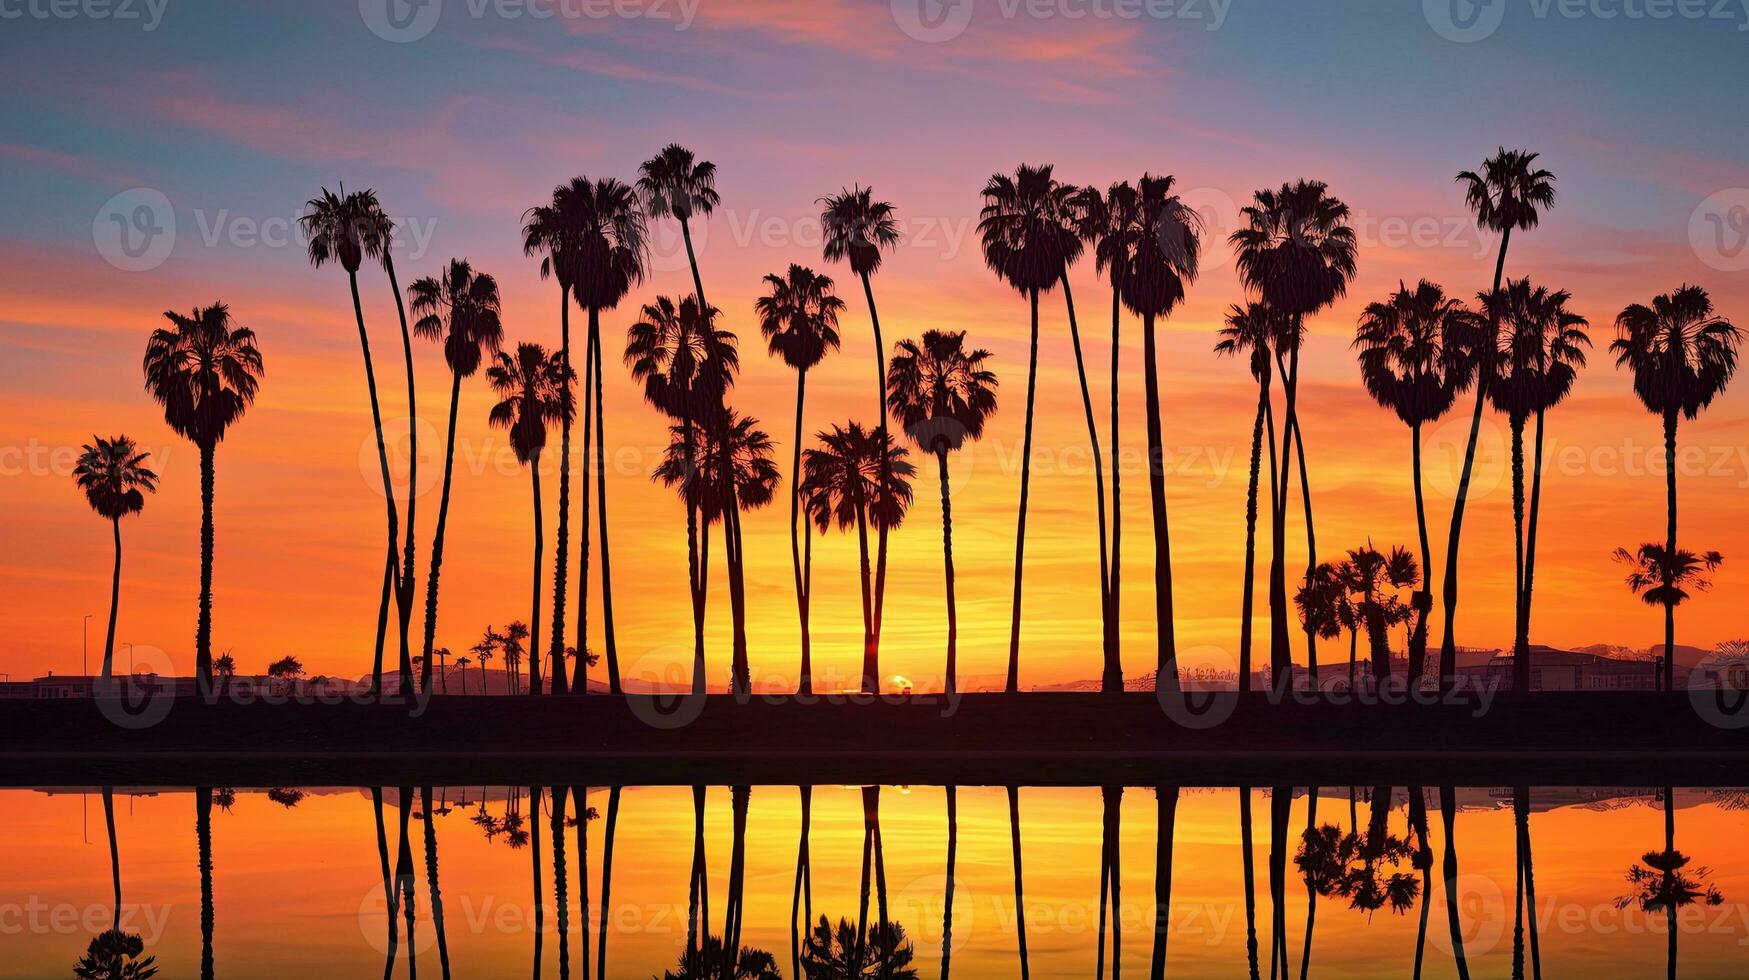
1519 348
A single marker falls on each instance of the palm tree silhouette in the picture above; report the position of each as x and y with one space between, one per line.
871 944
1664 578
512 646
676 185
712 961
561 880
855 478
799 318
606 878
1253 329
941 394
1664 882
1111 878
1509 193
1682 356
594 237
1029 238
1297 252
843 954
431 878
802 901
953 839
1019 886
698 888
1540 350
1324 607
1371 577
460 310
203 836
1411 351
114 855
1524 891
730 469
858 229
114 476
1249 872
115 955
349 228
1111 224
463 662
686 365
205 372
534 390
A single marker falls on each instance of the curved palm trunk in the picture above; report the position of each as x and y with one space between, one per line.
1111 879
581 795
203 630
1311 893
1019 890
114 855
404 586
610 646
1114 590
1111 679
580 683
803 876
203 835
404 877
562 533
376 417
455 393
1280 661
1013 684
1280 806
740 672
1448 815
607 878
431 880
1670 553
1248 601
871 667
391 894
1536 496
953 627
114 602
1448 647
1166 665
953 836
869 670
1670 848
695 560
1424 857
1166 801
534 614
534 807
734 906
1250 872
698 901
562 880
805 685
1521 816
1311 533
1423 599
1520 655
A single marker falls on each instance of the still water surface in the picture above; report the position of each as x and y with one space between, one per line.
297 883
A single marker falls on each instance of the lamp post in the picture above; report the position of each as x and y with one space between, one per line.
85 646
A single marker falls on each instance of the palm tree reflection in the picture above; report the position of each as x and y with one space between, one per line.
1166 799
1662 881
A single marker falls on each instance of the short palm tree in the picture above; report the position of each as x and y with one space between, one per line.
460 310
205 371
1373 578
1411 348
117 955
1682 355
349 228
799 318
1667 579
858 229
854 479
1029 237
1251 330
1296 251
462 662
942 394
115 478
534 392
1324 605
686 366
1510 193
1541 351
841 954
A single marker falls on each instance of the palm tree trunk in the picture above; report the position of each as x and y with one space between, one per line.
1111 679
606 879
534 808
114 855
1113 590
203 630
1523 819
534 615
455 393
376 417
1311 532
871 668
1311 894
1248 601
1166 803
1166 664
1114 873
203 836
734 906
562 880
114 602
1280 659
795 908
581 795
953 835
1448 814
1019 890
1670 557
953 624
404 587
1013 684
1536 496
1520 658
391 896
740 680
698 892
860 949
1280 805
1423 599
1250 872
805 685
1448 648
404 878
562 537
611 648
431 881
580 683
1670 849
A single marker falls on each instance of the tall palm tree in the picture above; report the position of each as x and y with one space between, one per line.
804 888
942 394
1510 193
1165 259
460 310
1411 348
855 478
857 229
799 318
725 470
606 876
677 185
350 228
114 476
1682 355
203 837
686 366
1542 348
534 391
205 372
1111 877
430 819
1028 235
1111 224
1297 252
953 841
1252 330
1019 886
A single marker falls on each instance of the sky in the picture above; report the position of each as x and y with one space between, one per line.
209 125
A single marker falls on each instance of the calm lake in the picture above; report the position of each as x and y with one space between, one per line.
297 887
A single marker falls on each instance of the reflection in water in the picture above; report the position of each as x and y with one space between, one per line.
1010 902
